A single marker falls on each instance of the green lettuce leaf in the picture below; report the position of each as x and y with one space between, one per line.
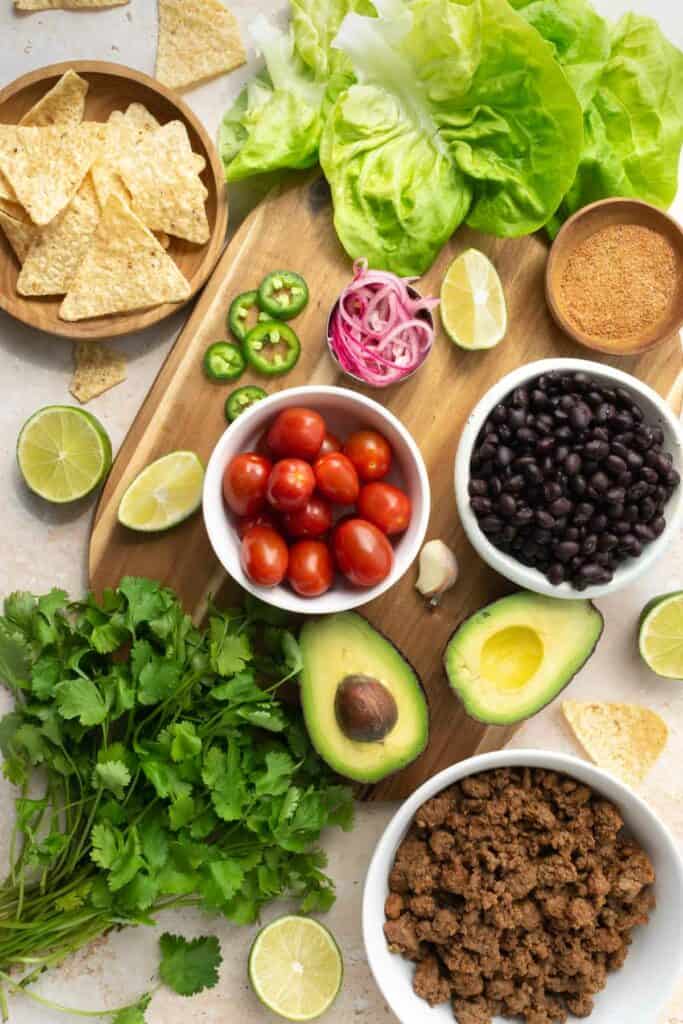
277 120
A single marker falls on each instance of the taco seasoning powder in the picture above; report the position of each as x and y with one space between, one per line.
618 283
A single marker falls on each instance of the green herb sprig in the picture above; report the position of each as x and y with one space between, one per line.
157 768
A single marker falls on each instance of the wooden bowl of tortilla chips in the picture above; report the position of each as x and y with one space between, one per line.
113 206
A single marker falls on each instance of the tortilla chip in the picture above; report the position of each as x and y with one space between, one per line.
6 190
65 5
167 193
97 369
51 265
122 134
198 39
624 739
20 232
45 166
124 269
63 104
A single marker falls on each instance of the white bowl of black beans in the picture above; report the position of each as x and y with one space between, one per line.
568 477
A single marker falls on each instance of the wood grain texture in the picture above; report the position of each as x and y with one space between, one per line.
114 87
293 229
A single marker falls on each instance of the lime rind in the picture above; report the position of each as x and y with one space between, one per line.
660 636
164 494
281 943
63 453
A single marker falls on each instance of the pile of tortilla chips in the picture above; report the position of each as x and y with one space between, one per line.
88 208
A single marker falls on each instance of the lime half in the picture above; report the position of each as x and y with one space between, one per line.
164 494
295 968
63 453
661 635
473 309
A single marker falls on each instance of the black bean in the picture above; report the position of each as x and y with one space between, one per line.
604 412
515 484
491 524
647 509
545 424
543 536
596 450
607 541
520 397
589 545
634 460
544 519
539 400
623 420
621 450
504 455
580 416
571 533
599 482
644 438
508 533
644 532
505 433
523 516
566 550
624 397
594 398
673 478
480 505
616 495
499 414
507 506
615 511
615 465
590 572
551 491
560 507
658 435
578 485
479 487
495 487
658 525
598 523
545 445
533 473
621 527
583 512
564 433
527 436
572 464
631 513
561 453
487 451
516 418
556 573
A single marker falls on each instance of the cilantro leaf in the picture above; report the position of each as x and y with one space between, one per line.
144 598
189 967
133 1014
277 778
20 608
158 680
112 775
104 845
186 744
230 652
15 656
80 698
45 675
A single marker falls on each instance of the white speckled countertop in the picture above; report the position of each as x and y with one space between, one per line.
42 547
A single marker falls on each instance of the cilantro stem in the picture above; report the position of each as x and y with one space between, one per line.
19 989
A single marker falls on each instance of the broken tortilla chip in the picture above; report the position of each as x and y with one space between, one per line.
124 269
51 265
198 39
167 192
45 166
97 369
20 232
624 739
63 104
65 5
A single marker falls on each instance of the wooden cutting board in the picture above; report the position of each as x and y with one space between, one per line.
293 229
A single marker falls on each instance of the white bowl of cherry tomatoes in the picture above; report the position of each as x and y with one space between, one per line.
316 500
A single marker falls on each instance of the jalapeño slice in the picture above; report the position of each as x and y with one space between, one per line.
283 294
238 314
272 348
224 361
241 399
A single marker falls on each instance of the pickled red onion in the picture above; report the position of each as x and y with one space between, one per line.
380 330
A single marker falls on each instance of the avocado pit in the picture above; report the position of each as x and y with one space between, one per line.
366 711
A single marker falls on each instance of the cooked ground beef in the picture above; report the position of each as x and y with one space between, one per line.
515 893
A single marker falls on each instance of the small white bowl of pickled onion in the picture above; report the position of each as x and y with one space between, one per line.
381 330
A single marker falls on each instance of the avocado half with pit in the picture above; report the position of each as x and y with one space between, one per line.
363 704
510 659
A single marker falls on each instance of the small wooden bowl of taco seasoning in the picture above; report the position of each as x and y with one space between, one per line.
614 278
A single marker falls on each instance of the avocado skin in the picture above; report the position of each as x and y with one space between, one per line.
374 654
490 613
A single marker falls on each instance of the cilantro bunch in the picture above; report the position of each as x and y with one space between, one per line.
157 766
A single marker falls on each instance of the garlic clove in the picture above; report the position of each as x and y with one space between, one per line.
438 571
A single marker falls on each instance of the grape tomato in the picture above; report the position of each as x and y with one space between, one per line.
245 482
290 484
362 552
264 556
297 433
311 569
386 506
370 453
337 479
313 520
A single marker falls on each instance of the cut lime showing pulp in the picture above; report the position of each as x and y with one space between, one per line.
164 494
661 635
295 968
63 453
473 309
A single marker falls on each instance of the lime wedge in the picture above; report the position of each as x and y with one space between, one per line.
661 635
473 309
164 494
63 453
295 968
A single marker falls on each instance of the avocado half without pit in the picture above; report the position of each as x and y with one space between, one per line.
510 659
363 704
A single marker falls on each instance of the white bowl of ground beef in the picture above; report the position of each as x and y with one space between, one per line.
637 993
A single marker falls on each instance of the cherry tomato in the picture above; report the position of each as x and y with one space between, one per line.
337 479
311 569
297 433
263 448
330 444
264 556
385 506
362 552
313 520
245 482
370 453
263 518
290 484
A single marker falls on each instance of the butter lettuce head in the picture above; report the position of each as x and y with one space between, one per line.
460 111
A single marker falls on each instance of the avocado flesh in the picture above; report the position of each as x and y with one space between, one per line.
345 645
513 657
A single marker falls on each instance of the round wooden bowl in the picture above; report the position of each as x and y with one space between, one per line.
585 223
114 87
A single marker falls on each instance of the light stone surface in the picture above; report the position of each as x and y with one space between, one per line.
42 547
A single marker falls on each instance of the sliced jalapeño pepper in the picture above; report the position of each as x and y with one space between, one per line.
272 348
224 361
238 314
283 294
241 399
